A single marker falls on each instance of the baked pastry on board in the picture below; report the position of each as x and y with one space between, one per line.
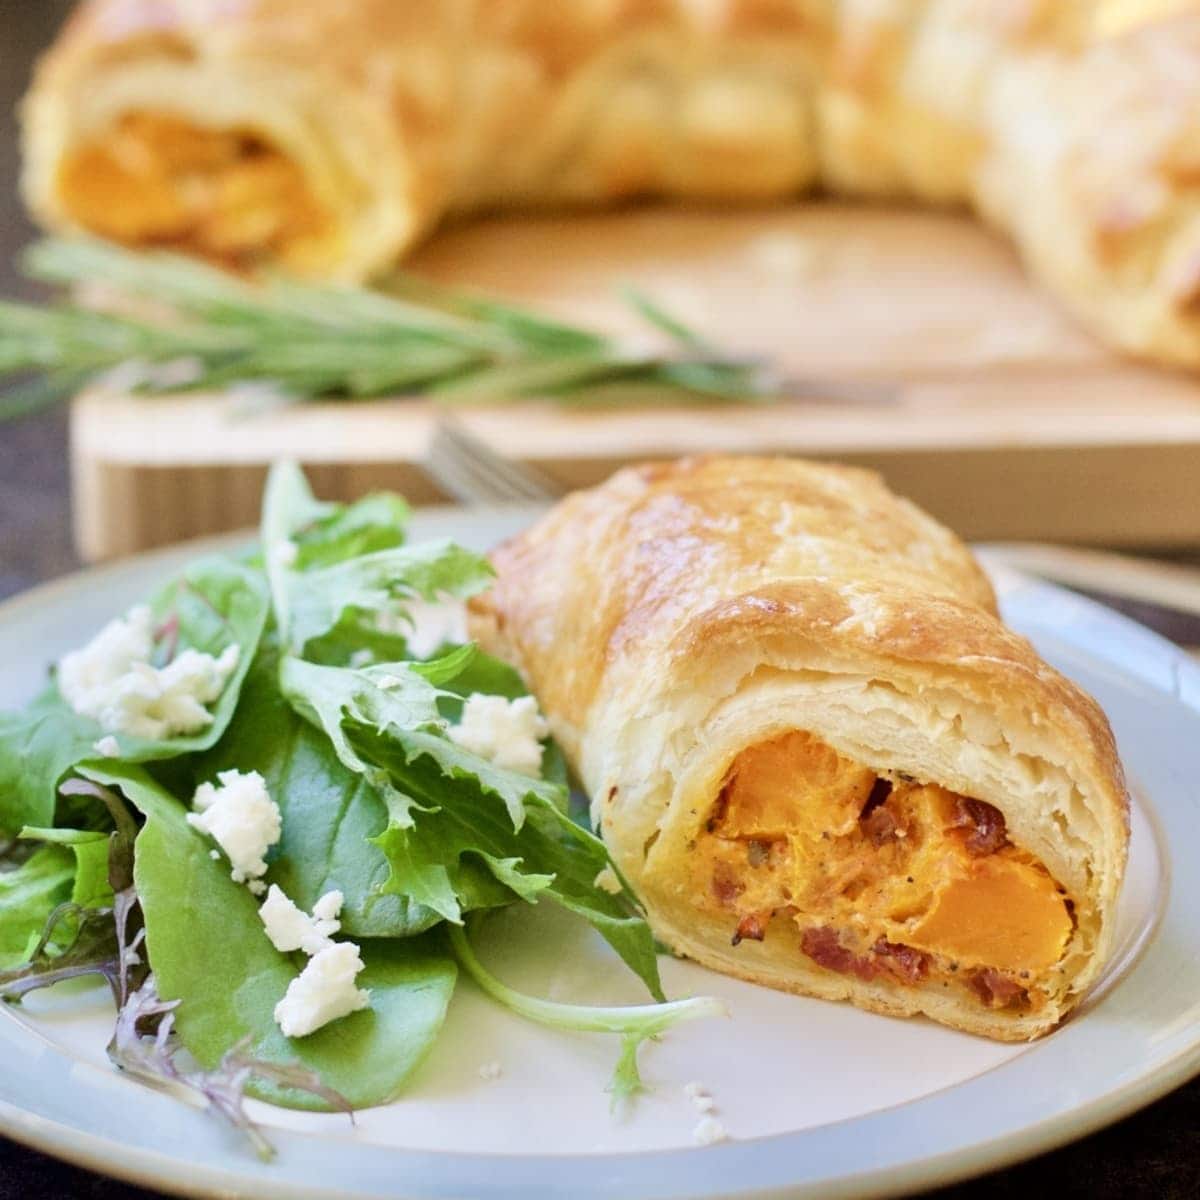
331 137
816 753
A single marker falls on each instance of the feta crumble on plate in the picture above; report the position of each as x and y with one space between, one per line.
112 680
290 928
323 991
490 1070
107 746
708 1132
507 732
428 624
240 816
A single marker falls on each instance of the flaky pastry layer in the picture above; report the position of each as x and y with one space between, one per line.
683 614
1070 124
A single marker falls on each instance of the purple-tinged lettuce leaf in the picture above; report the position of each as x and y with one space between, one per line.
145 1045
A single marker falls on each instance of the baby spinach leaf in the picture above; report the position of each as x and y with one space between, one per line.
208 950
213 603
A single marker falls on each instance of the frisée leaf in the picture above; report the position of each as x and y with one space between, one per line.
635 1023
331 814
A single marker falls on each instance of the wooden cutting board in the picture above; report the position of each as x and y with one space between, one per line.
1007 420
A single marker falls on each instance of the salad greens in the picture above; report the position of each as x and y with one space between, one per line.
351 733
206 945
635 1023
214 603
28 895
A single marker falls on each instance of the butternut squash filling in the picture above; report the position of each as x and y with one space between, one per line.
224 194
885 878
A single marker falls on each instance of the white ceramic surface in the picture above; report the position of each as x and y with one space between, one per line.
818 1098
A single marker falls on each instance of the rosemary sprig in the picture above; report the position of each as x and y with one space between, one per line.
184 325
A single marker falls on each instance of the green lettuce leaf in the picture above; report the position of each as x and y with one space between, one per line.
91 888
28 895
215 602
340 575
376 522
331 814
208 949
476 671
326 695
449 812
380 583
456 815
634 1023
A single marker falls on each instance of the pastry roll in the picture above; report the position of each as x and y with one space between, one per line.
816 753
330 137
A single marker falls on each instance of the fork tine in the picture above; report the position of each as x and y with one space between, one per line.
471 471
491 476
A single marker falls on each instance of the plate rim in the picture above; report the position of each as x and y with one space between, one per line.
167 1172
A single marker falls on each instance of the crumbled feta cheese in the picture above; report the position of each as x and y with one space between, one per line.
290 928
107 746
490 1070
215 855
323 991
508 732
112 681
708 1132
86 674
242 819
362 658
700 1097
607 881
286 553
431 623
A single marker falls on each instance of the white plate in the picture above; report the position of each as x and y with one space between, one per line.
818 1098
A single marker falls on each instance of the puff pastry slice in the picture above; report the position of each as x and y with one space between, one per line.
815 751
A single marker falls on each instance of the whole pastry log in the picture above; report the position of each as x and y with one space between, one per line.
688 626
347 131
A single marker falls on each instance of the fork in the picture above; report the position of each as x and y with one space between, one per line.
468 469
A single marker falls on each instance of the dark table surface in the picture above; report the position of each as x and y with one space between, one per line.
1154 1155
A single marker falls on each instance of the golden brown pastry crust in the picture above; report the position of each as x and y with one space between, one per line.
1070 124
685 611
